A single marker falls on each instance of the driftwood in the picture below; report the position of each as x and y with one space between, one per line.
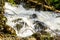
46 6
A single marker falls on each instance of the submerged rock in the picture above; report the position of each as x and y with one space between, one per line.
34 16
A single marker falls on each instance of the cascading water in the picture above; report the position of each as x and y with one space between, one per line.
26 20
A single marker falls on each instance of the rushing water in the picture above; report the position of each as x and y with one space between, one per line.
26 19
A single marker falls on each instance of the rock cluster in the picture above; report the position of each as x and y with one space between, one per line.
4 28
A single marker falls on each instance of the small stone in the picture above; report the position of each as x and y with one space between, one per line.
34 15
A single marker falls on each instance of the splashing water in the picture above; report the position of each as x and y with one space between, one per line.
24 17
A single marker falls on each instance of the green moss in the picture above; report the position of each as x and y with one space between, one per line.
12 2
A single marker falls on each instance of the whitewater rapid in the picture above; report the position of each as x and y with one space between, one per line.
50 19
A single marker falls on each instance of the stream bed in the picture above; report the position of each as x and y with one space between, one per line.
27 19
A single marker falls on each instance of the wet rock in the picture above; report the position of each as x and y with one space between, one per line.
40 25
8 37
31 38
39 36
1 28
57 37
34 15
18 26
3 19
17 1
38 7
9 30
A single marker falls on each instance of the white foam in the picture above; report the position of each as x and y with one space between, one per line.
49 18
